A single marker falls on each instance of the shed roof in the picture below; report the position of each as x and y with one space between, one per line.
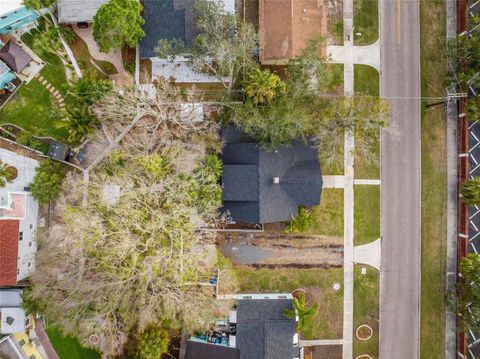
72 11
58 151
286 27
14 56
8 251
249 191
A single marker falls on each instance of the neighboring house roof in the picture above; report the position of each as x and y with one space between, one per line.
14 56
9 6
170 19
263 331
250 193
201 350
8 252
58 151
72 11
10 298
12 320
286 27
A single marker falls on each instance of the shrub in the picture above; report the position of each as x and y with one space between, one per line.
301 222
471 191
151 343
47 184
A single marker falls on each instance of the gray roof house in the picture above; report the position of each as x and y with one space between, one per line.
75 11
265 187
14 56
256 329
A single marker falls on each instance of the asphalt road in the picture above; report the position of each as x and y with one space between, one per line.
401 176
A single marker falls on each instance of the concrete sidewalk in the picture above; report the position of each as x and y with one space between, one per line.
363 55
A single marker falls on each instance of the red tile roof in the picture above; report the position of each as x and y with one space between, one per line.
8 251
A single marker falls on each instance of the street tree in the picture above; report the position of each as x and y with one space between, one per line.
118 23
467 303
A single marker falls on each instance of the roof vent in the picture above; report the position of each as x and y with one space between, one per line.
10 320
276 180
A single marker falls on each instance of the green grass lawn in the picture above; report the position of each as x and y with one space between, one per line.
365 21
366 309
327 323
31 109
367 214
434 182
68 347
328 216
367 82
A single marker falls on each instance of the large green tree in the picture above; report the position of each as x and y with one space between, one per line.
151 343
263 86
79 123
118 23
47 183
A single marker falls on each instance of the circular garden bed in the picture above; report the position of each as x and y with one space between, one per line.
364 356
11 173
364 332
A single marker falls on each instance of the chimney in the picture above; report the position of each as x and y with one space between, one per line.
276 180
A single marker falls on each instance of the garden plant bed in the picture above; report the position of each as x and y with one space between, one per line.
364 332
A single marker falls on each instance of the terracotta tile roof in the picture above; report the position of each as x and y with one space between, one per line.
8 251
286 27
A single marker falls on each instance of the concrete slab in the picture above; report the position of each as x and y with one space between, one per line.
369 254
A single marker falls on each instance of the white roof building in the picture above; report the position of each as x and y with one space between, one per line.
7 6
12 315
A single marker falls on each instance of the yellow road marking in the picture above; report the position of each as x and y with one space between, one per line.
399 23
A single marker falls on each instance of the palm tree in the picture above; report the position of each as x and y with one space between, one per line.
79 123
300 308
471 191
5 174
263 86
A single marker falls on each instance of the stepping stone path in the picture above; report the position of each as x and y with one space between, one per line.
53 91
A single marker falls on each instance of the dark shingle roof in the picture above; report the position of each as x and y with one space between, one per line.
14 56
197 350
58 151
245 163
165 19
263 331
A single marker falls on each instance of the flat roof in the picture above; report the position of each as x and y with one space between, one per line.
72 11
13 320
7 6
286 27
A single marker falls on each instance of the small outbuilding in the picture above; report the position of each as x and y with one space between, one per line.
77 11
14 56
58 151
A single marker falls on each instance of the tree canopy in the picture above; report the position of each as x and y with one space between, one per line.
47 183
118 23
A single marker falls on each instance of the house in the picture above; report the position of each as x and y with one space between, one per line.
264 187
18 221
257 328
77 11
21 346
12 315
6 78
14 16
14 56
172 19
286 27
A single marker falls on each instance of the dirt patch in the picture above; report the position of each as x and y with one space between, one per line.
334 9
324 352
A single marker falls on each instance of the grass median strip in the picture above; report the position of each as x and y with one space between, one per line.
318 283
434 182
366 309
365 22
367 214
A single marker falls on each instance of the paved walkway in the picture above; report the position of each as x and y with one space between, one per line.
66 47
314 343
363 55
368 182
114 56
370 253
44 340
333 181
53 91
